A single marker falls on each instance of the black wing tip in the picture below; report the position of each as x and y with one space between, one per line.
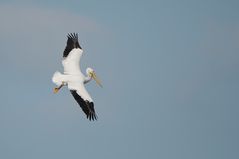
87 107
72 42
73 36
91 115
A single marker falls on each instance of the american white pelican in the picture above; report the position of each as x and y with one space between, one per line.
74 78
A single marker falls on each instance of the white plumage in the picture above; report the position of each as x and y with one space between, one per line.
74 78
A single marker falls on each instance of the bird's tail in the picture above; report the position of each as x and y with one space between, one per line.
57 78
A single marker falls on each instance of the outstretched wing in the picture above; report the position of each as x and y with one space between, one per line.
72 55
72 43
86 105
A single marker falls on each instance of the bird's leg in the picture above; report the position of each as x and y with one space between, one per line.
58 88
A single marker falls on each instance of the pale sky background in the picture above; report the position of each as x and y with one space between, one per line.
169 70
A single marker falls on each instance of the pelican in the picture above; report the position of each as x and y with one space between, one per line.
74 79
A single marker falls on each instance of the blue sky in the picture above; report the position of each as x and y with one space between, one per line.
169 71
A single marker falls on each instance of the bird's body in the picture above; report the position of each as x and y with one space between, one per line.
74 78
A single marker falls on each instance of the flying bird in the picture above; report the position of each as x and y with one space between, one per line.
74 79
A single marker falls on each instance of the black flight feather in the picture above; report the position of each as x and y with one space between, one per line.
72 42
86 106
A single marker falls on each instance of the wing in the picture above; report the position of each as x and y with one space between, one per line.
72 55
86 105
72 43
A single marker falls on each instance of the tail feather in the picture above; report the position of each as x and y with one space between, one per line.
57 78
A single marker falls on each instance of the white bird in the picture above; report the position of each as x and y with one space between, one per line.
74 78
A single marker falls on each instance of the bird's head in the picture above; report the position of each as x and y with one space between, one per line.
91 73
